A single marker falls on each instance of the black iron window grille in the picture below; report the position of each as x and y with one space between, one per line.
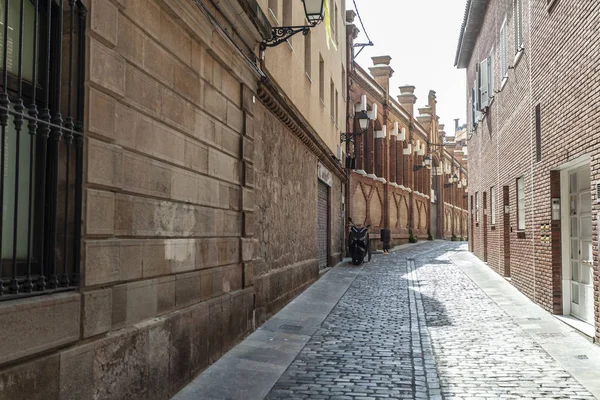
42 47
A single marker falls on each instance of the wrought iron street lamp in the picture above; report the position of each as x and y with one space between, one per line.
363 123
349 137
363 120
451 181
314 13
313 10
426 164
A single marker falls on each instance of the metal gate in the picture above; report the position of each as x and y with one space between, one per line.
323 224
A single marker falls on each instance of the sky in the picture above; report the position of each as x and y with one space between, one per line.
421 37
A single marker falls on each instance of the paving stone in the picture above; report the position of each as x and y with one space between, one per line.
414 326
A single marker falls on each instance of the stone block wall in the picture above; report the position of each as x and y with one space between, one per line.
199 215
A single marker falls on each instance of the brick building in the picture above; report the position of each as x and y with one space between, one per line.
389 186
166 186
533 148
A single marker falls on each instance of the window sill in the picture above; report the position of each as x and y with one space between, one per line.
520 234
308 77
503 83
518 57
289 42
322 102
550 5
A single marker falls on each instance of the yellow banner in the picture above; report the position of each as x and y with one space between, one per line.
327 20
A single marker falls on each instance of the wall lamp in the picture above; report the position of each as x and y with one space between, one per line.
313 10
451 181
363 123
426 164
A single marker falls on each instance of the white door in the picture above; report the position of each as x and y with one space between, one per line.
581 260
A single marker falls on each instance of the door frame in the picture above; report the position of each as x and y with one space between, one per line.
506 228
328 207
565 233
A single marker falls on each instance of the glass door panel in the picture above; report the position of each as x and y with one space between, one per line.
575 292
575 271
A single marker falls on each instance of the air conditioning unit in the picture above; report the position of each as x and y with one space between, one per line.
597 192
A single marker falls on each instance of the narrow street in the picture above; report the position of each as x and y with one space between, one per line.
426 322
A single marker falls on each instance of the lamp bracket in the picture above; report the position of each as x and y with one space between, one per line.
362 47
282 33
349 136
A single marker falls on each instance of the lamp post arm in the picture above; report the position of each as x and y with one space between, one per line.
349 136
282 33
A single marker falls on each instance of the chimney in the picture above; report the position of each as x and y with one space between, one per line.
407 98
425 118
456 125
431 101
441 132
382 72
350 15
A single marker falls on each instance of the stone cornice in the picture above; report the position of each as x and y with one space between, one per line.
271 97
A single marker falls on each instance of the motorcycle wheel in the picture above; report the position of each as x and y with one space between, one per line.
356 261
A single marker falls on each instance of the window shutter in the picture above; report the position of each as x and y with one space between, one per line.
476 103
518 17
503 51
491 77
477 86
483 84
472 104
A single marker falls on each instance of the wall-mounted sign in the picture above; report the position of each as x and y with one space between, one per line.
324 175
555 209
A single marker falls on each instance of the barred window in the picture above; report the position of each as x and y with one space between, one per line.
42 43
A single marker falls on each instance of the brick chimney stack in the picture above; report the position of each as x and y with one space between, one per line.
431 102
425 118
407 98
382 72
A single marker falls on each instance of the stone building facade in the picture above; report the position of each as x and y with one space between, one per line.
534 154
389 188
200 170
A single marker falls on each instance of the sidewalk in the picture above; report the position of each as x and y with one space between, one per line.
407 325
573 351
251 369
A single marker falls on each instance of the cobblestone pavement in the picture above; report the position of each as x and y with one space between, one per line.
413 326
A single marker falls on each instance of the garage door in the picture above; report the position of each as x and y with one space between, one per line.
322 231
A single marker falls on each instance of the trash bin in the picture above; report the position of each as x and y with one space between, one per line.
386 237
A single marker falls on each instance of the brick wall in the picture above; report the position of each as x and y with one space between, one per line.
555 72
386 191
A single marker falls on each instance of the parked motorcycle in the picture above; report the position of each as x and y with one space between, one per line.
359 243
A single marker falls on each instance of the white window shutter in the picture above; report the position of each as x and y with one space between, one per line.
491 77
477 85
483 84
518 20
503 51
472 105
